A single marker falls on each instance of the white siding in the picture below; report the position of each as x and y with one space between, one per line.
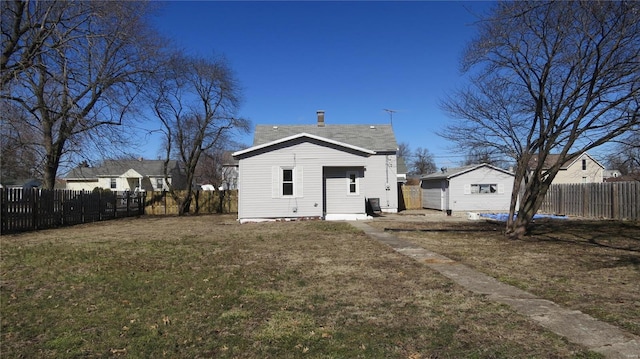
339 200
461 198
380 181
255 180
87 185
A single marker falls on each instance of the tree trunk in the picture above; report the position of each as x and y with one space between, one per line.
531 200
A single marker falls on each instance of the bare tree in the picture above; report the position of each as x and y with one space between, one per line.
484 155
404 150
75 69
625 155
196 101
422 162
19 158
549 77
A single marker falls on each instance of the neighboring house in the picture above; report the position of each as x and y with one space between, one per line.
127 175
611 175
480 187
402 171
624 178
582 169
317 171
21 183
229 175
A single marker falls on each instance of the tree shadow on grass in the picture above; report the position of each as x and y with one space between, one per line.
471 227
607 234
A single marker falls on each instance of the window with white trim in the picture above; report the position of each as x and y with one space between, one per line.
159 183
287 182
484 188
113 183
352 183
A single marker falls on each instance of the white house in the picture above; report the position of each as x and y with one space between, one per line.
480 187
317 171
127 175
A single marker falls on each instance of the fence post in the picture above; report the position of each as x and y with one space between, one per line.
33 203
615 213
3 210
82 206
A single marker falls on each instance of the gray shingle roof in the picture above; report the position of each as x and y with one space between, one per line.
379 138
452 172
114 168
448 172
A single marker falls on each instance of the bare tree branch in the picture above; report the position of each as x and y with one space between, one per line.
197 101
549 77
75 68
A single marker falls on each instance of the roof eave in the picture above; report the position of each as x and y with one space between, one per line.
301 135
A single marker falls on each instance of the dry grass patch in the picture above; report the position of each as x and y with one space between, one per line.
591 266
206 286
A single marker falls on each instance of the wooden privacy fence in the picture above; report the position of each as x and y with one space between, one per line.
204 202
609 200
31 209
410 197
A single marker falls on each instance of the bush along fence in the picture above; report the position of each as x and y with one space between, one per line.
32 209
609 200
202 202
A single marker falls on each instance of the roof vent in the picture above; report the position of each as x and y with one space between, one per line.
275 127
372 127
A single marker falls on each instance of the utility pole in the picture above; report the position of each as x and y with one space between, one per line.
391 112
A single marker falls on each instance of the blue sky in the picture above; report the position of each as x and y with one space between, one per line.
350 59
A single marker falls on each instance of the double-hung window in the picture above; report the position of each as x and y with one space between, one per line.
159 183
287 182
352 183
112 183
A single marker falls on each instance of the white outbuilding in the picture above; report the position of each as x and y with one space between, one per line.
481 187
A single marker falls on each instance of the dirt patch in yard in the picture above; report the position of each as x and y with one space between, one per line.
591 266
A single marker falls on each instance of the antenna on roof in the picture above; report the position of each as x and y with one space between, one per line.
391 112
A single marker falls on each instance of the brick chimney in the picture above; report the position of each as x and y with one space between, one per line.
320 118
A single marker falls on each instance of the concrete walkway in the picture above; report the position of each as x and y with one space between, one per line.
574 325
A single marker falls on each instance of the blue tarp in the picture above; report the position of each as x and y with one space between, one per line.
504 216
